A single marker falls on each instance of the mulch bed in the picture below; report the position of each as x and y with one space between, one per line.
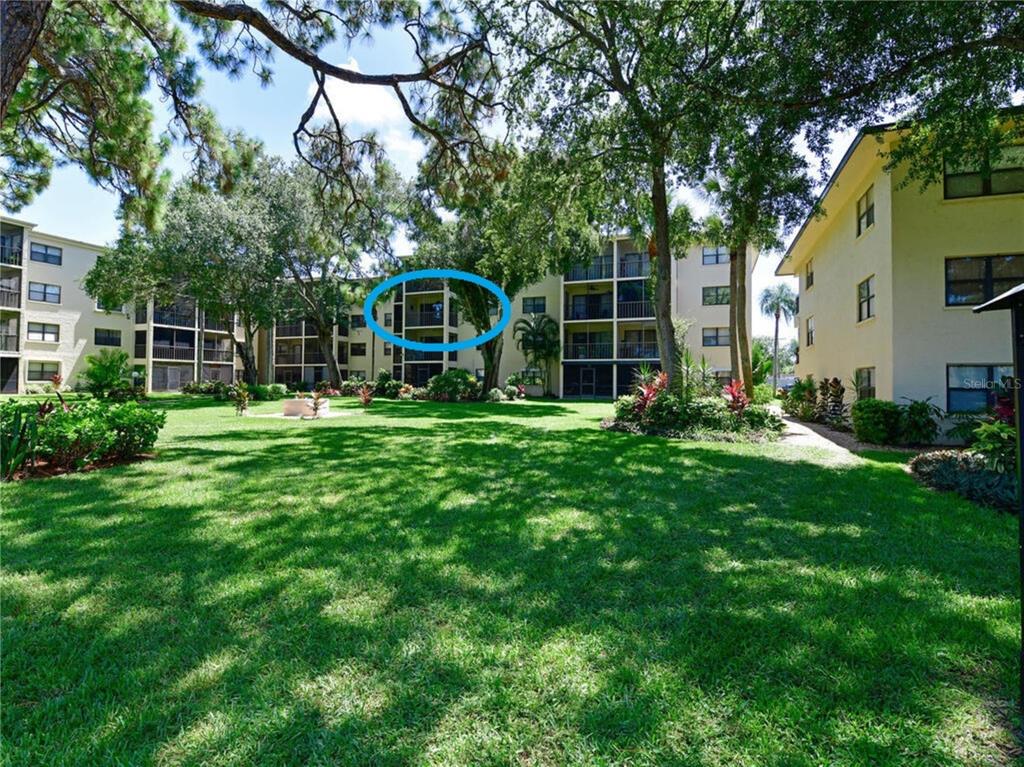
44 470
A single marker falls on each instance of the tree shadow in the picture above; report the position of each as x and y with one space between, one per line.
342 594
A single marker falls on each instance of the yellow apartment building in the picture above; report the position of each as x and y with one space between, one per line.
889 273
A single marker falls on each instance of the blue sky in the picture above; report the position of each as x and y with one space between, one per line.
74 207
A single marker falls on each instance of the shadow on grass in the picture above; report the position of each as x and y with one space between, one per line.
346 595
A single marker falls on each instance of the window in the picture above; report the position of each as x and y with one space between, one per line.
40 331
387 349
987 177
865 380
107 337
809 335
866 211
977 279
42 371
973 388
102 307
809 274
39 291
866 299
387 319
715 296
46 254
718 254
534 305
357 321
357 350
716 336
479 372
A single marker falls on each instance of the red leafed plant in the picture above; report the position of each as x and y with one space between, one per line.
1004 408
735 396
365 395
648 391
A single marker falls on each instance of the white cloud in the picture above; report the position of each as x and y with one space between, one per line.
364 108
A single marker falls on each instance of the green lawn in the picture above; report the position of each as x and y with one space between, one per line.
499 585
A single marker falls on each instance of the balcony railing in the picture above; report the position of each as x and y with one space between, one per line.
288 358
415 319
313 357
174 317
288 329
140 316
632 268
10 299
140 351
598 351
10 254
8 342
593 312
220 326
633 350
218 355
164 352
453 318
599 269
424 286
627 310
414 355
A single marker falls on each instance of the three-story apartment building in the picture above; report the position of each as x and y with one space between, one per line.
604 310
889 273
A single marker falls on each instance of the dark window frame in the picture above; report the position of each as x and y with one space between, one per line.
387 349
866 299
356 321
987 281
43 375
46 286
714 333
532 301
809 274
984 171
108 333
866 217
809 331
387 319
43 332
719 254
866 389
715 291
990 387
45 256
357 350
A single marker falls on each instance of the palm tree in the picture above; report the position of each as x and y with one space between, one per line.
537 336
778 301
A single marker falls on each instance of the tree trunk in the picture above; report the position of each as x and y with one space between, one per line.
742 332
21 21
245 350
325 339
663 271
775 356
735 372
492 363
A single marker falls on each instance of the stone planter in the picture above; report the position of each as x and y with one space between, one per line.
303 408
534 390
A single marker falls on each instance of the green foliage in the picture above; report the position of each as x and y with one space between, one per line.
107 373
496 395
267 392
539 338
969 474
455 385
625 409
135 429
763 394
801 400
760 361
700 417
761 418
240 394
386 385
513 391
876 421
919 422
17 438
217 389
996 442
90 431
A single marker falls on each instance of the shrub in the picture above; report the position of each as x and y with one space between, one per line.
350 387
240 395
761 418
968 474
625 409
366 395
649 385
495 395
17 438
420 393
453 385
919 422
876 421
135 429
996 443
106 372
386 385
802 398
405 391
836 412
73 437
515 379
763 394
266 392
217 389
706 413
661 413
735 397
515 392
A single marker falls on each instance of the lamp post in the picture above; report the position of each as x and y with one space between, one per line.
1013 301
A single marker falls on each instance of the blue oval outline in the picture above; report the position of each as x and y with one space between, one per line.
447 274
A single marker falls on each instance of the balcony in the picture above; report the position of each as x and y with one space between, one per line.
218 355
288 329
632 350
140 351
164 352
598 269
10 299
633 267
174 317
8 342
10 253
596 351
141 314
293 357
421 319
414 355
313 357
589 312
216 325
453 317
631 310
424 286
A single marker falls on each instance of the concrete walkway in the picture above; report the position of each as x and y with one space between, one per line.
802 435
